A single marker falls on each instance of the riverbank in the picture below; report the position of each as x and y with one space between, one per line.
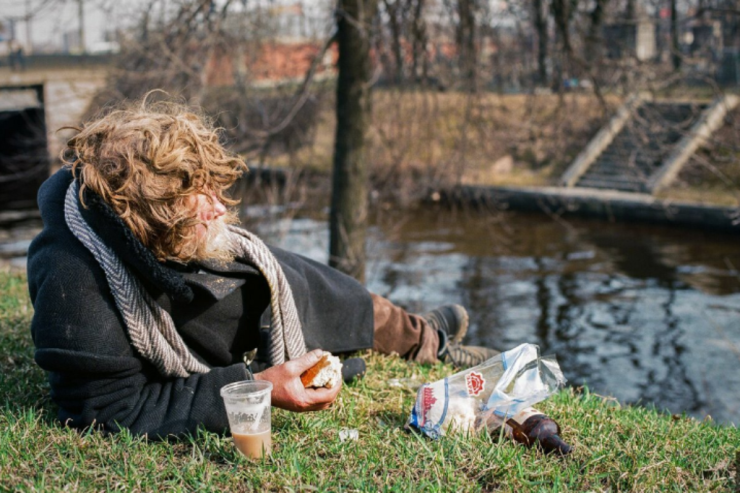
616 448
558 203
606 205
420 138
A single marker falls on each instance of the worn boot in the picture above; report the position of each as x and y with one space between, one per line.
452 320
461 356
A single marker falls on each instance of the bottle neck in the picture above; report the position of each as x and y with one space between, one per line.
554 444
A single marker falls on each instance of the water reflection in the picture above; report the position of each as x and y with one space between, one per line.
646 314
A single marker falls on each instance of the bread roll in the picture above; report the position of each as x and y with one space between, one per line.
326 373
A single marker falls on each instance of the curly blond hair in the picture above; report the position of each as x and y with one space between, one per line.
147 160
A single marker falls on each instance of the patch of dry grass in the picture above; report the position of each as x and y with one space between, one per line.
420 138
453 136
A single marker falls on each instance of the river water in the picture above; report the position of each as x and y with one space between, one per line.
647 314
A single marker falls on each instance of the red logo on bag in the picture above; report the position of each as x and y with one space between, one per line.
427 401
476 383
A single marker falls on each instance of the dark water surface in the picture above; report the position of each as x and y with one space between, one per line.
646 314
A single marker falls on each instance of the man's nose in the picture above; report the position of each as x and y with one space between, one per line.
218 208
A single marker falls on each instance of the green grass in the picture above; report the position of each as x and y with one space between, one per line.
616 448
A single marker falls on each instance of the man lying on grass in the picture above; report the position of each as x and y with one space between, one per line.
148 296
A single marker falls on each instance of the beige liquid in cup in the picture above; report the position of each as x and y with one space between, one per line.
251 445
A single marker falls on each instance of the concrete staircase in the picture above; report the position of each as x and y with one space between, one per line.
640 148
644 146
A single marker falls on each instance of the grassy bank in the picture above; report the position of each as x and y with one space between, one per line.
616 448
421 138
485 139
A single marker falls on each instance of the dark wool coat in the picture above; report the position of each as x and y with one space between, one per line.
96 376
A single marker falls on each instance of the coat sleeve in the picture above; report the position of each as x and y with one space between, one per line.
96 377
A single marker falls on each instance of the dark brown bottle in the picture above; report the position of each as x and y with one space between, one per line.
531 427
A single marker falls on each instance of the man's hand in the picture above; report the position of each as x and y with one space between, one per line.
287 390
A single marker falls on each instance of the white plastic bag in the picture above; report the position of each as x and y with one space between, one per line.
487 394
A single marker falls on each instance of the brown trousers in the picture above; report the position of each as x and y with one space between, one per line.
403 333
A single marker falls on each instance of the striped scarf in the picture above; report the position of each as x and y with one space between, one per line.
151 329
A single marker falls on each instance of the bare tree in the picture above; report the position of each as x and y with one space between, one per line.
216 55
348 220
593 39
629 11
397 11
419 42
465 37
540 26
675 43
561 10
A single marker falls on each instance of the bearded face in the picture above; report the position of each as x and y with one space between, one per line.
211 235
163 170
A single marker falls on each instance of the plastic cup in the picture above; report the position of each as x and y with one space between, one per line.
248 408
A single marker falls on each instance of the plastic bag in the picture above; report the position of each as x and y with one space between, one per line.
488 394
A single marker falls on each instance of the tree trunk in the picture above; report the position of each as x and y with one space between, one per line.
393 8
540 25
593 39
498 64
348 220
561 13
466 43
419 51
629 12
675 46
